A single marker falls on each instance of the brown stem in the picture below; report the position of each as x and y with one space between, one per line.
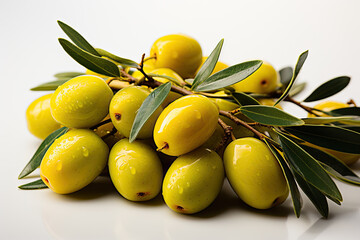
351 101
101 123
306 108
130 78
227 134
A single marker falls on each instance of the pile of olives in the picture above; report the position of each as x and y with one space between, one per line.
182 133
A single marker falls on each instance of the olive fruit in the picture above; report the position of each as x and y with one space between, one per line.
81 102
39 119
178 52
254 173
135 170
73 161
124 107
185 124
193 181
218 66
264 80
327 106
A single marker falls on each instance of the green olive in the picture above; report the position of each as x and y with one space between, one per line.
124 107
38 116
81 102
193 181
73 161
135 170
185 124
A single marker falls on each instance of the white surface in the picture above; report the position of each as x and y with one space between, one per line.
277 31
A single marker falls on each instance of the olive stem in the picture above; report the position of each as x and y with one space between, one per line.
101 123
351 101
306 108
227 134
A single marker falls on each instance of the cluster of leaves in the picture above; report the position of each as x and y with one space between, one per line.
287 136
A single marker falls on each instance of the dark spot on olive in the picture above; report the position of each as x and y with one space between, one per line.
263 82
142 194
46 180
275 202
179 208
117 116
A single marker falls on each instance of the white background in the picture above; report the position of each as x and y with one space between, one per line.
276 31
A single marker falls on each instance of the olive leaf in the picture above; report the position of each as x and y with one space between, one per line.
351 127
294 190
68 75
270 116
171 79
228 76
332 137
285 76
353 111
315 196
208 66
296 89
40 152
296 72
120 60
308 168
78 39
90 61
325 120
333 165
244 99
148 107
328 89
49 86
38 184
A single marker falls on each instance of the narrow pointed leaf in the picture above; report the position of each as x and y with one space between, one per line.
49 86
120 60
353 111
244 99
78 39
294 191
333 165
351 127
315 196
286 75
90 61
308 168
324 120
208 66
149 106
328 89
296 72
229 76
68 74
171 79
332 137
38 184
296 89
270 116
40 152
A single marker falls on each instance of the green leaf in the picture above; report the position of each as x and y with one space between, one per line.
351 127
296 89
68 75
270 116
148 107
325 120
297 69
229 76
120 60
328 89
294 191
244 99
171 79
78 39
38 184
352 111
332 137
315 196
90 61
333 165
208 66
308 168
286 75
49 86
40 152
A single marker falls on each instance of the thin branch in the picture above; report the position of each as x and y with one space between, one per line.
306 108
227 134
